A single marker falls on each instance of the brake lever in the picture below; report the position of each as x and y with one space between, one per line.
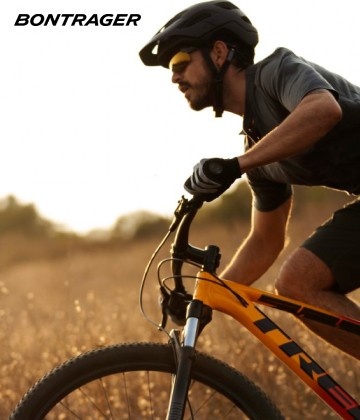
183 208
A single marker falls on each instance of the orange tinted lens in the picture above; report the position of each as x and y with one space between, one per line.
180 58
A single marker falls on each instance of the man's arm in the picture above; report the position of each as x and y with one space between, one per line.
311 120
262 246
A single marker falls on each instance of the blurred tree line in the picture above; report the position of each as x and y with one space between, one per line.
17 217
232 206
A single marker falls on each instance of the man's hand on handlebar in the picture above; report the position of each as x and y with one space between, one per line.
212 177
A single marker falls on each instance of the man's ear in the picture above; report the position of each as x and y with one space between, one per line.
219 53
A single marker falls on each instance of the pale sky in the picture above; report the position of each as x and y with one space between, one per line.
88 133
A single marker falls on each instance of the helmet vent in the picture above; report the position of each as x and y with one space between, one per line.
229 6
199 17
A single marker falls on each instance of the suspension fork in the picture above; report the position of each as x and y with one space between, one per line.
198 315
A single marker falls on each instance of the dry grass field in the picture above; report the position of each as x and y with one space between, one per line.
54 308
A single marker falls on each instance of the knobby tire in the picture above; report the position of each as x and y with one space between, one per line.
132 381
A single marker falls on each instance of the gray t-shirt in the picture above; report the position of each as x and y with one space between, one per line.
274 87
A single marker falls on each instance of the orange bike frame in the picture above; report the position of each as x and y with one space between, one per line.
238 301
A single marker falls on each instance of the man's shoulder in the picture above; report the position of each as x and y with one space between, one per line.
269 64
272 65
277 57
280 52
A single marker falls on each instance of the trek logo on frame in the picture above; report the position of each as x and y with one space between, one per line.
67 19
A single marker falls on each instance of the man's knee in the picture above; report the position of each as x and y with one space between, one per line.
303 273
287 281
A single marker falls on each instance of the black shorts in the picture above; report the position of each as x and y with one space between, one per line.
337 243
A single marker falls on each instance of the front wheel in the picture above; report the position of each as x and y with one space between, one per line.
133 381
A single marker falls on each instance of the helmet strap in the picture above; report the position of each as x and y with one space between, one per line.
219 81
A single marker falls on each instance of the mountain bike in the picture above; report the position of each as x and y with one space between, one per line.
173 380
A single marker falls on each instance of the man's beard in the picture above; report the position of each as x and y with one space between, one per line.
203 93
204 97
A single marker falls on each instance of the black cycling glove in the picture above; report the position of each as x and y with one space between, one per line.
211 177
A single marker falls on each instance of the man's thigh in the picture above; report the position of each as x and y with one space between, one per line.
337 244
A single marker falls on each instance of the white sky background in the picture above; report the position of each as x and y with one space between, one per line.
88 133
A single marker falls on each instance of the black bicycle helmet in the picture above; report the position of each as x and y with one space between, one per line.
198 26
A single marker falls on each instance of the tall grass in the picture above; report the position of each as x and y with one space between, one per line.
51 309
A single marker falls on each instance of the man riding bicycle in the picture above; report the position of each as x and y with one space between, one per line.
301 125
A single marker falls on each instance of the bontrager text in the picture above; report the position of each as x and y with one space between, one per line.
67 19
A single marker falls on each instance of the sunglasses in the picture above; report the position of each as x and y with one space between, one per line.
181 59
